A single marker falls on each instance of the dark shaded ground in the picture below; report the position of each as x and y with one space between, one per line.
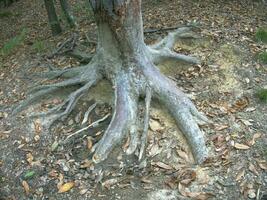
223 87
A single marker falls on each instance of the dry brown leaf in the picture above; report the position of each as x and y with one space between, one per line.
155 125
83 191
183 155
89 142
29 158
171 183
126 145
66 187
163 165
26 187
155 150
108 183
263 166
255 136
221 127
145 180
240 175
86 164
37 127
252 168
241 146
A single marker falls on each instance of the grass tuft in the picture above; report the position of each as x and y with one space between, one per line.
262 95
263 57
261 35
13 43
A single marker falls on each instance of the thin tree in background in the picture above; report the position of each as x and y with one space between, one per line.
52 17
67 12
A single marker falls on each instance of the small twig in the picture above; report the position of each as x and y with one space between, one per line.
166 28
90 41
87 113
94 124
146 123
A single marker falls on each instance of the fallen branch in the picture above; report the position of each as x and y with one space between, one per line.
94 124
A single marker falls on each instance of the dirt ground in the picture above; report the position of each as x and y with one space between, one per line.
34 164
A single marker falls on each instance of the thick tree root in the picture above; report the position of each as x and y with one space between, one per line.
132 78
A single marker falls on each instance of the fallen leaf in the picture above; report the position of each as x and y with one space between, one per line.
89 143
108 183
183 155
221 127
86 164
163 165
240 175
26 187
255 136
155 125
66 187
252 168
263 166
29 158
127 143
83 191
145 180
37 127
241 146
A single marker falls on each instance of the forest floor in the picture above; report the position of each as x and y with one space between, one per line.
34 164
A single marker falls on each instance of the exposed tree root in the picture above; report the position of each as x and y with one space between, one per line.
132 78
146 123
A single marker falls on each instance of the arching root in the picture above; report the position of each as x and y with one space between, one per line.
163 49
86 76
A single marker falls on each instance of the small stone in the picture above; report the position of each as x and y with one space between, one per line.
251 194
70 122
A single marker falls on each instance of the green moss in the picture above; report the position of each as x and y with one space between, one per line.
261 35
13 43
263 57
262 94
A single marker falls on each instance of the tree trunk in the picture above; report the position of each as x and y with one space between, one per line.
52 17
67 13
128 63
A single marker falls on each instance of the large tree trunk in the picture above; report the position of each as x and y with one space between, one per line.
128 63
52 17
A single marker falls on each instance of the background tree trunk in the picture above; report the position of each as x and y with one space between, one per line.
67 13
52 17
